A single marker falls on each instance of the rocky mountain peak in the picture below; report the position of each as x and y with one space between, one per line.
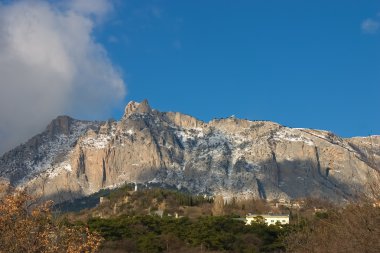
60 125
135 107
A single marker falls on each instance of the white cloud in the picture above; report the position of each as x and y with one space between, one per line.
370 26
50 64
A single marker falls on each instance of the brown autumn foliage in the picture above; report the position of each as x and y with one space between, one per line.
355 228
26 226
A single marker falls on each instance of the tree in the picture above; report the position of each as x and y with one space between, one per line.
28 226
355 228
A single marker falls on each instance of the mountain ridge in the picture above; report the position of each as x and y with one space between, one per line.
230 157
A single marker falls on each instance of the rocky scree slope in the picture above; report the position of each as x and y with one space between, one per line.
229 157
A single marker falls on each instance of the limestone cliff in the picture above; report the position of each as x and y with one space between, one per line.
229 157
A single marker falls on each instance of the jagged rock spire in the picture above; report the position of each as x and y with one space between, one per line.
60 125
135 107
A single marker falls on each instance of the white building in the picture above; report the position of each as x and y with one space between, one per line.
269 219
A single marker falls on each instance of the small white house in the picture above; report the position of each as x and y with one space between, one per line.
269 219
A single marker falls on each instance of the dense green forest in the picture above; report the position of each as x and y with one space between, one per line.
128 221
168 234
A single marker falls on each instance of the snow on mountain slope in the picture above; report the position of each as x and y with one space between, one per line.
44 150
229 157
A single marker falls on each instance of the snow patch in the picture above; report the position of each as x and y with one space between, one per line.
53 147
291 135
99 142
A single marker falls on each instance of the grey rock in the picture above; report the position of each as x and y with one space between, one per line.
228 157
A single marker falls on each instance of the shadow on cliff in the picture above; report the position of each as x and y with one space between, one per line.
295 178
77 204
306 178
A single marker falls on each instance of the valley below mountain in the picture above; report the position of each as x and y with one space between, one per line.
231 157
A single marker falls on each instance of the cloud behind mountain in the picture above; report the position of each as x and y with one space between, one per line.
51 64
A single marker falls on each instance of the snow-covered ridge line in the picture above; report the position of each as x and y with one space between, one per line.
289 134
364 137
340 143
53 149
232 157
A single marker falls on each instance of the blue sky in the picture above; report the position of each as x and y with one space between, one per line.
313 64
300 63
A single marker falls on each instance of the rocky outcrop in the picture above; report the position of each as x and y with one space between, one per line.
368 148
227 157
44 150
4 187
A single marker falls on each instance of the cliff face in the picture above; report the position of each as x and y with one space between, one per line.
229 157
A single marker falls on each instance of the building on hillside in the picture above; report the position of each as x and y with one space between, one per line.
269 219
296 204
159 213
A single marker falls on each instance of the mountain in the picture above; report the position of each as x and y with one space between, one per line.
229 157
